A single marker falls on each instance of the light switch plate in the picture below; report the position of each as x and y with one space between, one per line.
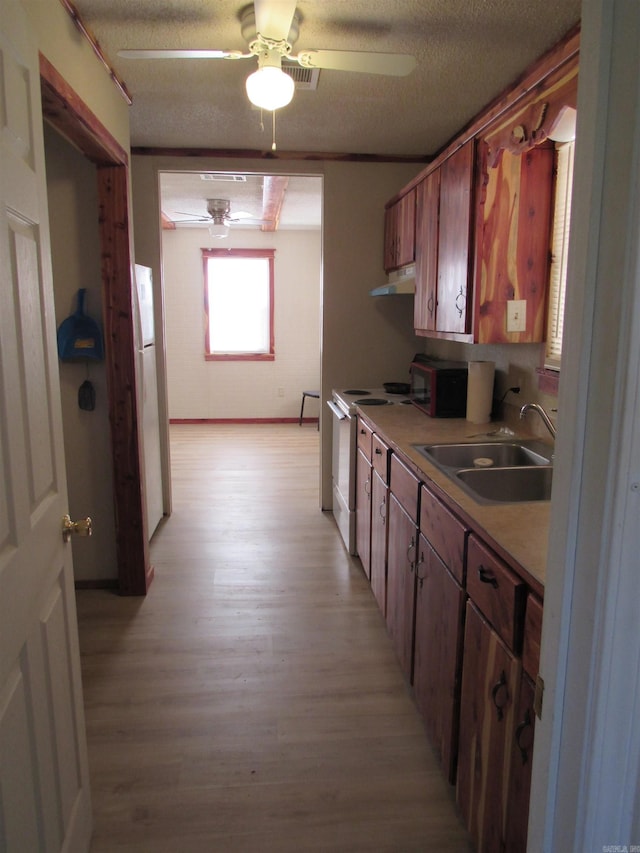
516 315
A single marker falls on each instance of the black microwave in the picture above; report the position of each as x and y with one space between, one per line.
438 387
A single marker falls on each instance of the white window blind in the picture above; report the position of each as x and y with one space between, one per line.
559 254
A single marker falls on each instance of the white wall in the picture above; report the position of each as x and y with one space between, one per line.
243 389
75 255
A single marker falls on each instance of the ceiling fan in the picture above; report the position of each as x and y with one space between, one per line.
270 28
219 217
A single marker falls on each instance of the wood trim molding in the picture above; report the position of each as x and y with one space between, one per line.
66 111
95 46
132 542
257 154
559 60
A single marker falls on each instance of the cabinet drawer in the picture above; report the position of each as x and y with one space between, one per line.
365 434
445 533
380 457
497 592
406 487
532 635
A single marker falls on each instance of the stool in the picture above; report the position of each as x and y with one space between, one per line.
305 394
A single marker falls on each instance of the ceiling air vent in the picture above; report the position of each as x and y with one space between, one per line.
304 78
223 178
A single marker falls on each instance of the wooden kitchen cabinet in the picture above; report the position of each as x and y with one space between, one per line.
520 771
399 232
427 214
439 623
438 653
402 552
490 782
454 304
512 241
380 454
379 534
364 476
490 681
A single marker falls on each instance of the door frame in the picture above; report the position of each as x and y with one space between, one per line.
64 110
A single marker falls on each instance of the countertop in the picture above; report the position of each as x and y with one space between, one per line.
517 531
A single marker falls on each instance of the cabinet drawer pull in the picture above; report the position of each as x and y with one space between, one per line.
524 727
411 558
487 576
500 701
383 510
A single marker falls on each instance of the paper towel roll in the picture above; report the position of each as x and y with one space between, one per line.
480 391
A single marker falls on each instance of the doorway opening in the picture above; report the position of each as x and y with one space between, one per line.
244 211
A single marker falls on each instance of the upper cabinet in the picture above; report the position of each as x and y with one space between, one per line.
484 214
456 182
443 231
400 232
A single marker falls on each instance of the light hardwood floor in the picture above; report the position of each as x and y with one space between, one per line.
252 702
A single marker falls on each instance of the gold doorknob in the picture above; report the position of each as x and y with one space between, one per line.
84 527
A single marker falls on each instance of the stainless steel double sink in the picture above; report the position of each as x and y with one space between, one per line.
496 471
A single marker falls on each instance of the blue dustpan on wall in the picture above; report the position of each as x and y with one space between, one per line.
79 337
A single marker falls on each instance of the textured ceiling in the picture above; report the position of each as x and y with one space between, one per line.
467 52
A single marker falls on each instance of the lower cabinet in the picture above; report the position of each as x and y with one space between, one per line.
496 714
466 631
379 527
438 653
402 551
490 680
364 478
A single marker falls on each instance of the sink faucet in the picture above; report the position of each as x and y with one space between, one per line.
545 417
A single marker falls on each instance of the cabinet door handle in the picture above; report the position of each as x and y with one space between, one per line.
383 510
523 727
460 308
487 576
378 451
367 488
411 559
419 563
430 306
500 701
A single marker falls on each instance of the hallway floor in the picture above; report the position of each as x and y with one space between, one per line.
252 701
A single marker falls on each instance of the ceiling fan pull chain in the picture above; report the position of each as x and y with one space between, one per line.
273 143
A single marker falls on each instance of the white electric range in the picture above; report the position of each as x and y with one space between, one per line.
344 450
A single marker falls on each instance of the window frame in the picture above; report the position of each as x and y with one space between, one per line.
265 254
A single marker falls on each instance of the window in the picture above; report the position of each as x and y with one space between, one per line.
559 253
238 301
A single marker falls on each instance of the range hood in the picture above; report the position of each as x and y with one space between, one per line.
399 281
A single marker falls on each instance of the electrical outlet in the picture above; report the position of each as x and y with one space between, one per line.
516 315
280 392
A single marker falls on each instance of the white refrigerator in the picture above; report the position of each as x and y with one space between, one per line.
148 397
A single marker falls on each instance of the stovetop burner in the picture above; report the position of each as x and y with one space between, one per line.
356 392
373 401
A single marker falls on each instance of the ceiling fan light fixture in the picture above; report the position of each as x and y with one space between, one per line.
269 87
218 230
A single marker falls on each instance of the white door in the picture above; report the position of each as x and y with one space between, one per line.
44 782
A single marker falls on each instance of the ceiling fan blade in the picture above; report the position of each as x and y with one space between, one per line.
273 17
389 64
183 54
